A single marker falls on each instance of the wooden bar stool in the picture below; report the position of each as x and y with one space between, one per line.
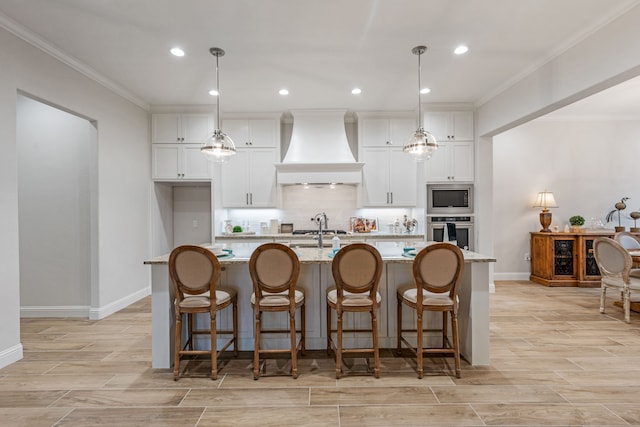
437 272
356 269
195 272
274 270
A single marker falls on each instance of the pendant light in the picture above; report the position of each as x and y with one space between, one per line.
218 147
422 142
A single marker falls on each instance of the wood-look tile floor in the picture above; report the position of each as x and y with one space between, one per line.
555 361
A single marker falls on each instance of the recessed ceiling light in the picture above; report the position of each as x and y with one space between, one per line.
356 91
425 90
283 92
176 51
213 92
461 49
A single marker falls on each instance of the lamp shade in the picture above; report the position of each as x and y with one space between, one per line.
545 200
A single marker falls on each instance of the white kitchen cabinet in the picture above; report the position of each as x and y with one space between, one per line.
453 161
389 177
382 132
252 132
176 162
172 128
450 125
249 178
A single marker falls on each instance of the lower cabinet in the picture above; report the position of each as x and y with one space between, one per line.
565 259
176 162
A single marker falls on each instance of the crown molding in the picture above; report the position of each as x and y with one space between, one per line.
35 40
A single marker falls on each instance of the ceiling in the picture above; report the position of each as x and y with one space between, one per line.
318 49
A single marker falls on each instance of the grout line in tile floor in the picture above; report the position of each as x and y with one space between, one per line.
554 360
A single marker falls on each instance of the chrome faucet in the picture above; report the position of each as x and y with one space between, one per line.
320 218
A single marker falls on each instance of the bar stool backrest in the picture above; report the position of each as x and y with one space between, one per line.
194 270
438 268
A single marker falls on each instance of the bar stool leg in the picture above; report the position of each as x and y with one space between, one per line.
456 343
235 326
399 326
339 346
376 353
214 341
178 347
256 345
294 349
328 329
303 325
419 342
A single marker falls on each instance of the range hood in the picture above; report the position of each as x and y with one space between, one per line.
319 151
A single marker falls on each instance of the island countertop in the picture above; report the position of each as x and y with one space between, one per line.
242 252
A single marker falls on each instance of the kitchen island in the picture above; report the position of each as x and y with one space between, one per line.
315 278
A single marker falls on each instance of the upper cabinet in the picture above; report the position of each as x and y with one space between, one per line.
178 162
385 132
454 159
180 128
253 132
389 174
450 125
249 177
175 149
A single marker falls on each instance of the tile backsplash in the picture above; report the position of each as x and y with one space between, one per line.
340 202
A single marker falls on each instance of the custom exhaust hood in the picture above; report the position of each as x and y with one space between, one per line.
319 151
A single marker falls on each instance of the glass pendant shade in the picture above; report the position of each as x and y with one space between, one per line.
218 147
422 143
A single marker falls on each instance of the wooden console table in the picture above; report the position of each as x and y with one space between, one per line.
565 259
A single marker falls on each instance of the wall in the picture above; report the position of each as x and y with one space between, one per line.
589 166
191 214
56 160
123 181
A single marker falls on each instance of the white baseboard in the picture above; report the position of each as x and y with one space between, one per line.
511 276
84 311
109 309
10 355
55 311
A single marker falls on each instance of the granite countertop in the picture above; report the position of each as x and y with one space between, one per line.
242 253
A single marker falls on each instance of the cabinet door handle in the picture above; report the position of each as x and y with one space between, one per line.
391 193
251 198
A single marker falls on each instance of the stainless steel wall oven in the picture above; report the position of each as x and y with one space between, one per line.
464 234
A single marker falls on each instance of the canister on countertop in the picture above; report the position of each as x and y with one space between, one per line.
273 226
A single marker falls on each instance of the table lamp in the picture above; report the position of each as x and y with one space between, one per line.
545 200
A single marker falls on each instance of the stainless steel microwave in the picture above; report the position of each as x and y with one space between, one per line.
449 199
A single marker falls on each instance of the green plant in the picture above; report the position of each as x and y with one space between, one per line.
576 221
237 229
